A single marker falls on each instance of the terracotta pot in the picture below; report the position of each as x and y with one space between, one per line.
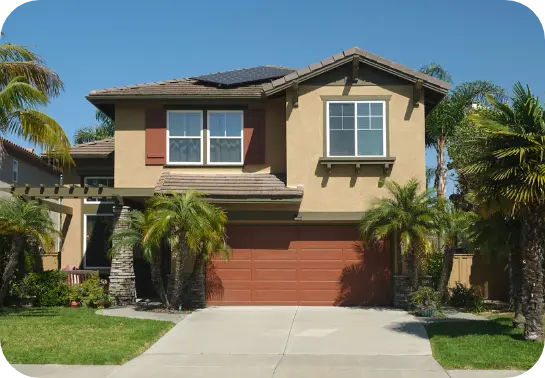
75 304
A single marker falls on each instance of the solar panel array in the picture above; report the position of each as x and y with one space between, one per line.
245 75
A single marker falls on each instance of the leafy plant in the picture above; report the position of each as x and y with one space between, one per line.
435 266
50 288
465 297
93 293
425 301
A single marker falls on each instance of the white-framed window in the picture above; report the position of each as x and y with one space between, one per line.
15 171
97 229
95 181
356 128
185 137
225 137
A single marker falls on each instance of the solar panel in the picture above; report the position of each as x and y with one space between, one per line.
245 75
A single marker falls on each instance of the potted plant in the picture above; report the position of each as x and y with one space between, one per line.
75 296
425 302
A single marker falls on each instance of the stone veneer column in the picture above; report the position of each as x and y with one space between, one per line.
122 289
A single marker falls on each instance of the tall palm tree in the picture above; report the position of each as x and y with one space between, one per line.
23 223
454 233
511 168
131 235
104 129
26 84
185 221
408 214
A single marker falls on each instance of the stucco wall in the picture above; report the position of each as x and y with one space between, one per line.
132 172
342 190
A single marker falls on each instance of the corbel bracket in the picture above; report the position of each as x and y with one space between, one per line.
417 89
355 68
295 95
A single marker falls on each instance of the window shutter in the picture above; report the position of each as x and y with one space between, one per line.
156 137
254 136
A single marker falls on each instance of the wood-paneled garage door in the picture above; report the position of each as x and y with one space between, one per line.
299 265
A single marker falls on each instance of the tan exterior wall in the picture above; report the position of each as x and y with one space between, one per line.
132 172
342 190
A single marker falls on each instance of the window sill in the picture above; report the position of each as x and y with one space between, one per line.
357 162
211 165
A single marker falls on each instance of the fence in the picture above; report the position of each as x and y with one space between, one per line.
488 277
76 277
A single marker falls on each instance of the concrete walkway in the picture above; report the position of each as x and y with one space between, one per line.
135 312
66 371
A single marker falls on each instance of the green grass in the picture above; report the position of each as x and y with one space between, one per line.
74 336
492 344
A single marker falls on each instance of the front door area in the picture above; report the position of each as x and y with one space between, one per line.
300 265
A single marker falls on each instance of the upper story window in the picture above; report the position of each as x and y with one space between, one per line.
225 133
95 182
185 137
15 170
356 128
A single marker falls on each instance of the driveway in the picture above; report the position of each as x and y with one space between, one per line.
284 342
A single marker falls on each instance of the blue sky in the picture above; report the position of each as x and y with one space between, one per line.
98 44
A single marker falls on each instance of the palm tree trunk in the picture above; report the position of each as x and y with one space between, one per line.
533 243
181 258
196 293
412 265
515 287
157 277
440 170
446 271
12 261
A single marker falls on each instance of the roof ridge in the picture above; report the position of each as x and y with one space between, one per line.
93 142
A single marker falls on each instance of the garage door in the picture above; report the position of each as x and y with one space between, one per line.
299 265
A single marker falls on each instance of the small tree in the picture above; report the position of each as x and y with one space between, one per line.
408 214
23 223
104 129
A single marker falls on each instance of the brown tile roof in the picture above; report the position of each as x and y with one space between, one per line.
180 88
191 88
241 186
101 148
365 57
28 153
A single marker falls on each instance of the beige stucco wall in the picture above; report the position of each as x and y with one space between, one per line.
342 190
132 172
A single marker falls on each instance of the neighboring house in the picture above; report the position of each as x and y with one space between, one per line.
293 156
21 166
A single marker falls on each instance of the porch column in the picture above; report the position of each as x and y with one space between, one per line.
122 289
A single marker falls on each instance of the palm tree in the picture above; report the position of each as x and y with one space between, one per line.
24 224
455 233
104 129
446 117
131 235
26 83
185 221
511 168
409 215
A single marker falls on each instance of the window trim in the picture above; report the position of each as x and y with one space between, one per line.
15 171
179 163
85 266
208 137
86 200
356 102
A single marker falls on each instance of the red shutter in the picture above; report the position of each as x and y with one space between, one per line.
254 136
156 137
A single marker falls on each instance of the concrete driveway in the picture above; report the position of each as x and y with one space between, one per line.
287 342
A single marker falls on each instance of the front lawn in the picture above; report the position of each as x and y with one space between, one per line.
74 336
492 344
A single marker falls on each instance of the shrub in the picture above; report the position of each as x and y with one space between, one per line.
435 266
93 292
425 300
465 297
49 288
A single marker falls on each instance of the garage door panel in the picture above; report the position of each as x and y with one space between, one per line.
272 254
305 265
320 254
275 275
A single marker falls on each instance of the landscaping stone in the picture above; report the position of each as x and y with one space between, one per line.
122 288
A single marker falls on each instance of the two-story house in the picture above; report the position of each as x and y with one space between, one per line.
20 165
293 155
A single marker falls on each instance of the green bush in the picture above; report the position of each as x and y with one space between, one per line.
49 288
93 292
425 300
465 297
435 266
